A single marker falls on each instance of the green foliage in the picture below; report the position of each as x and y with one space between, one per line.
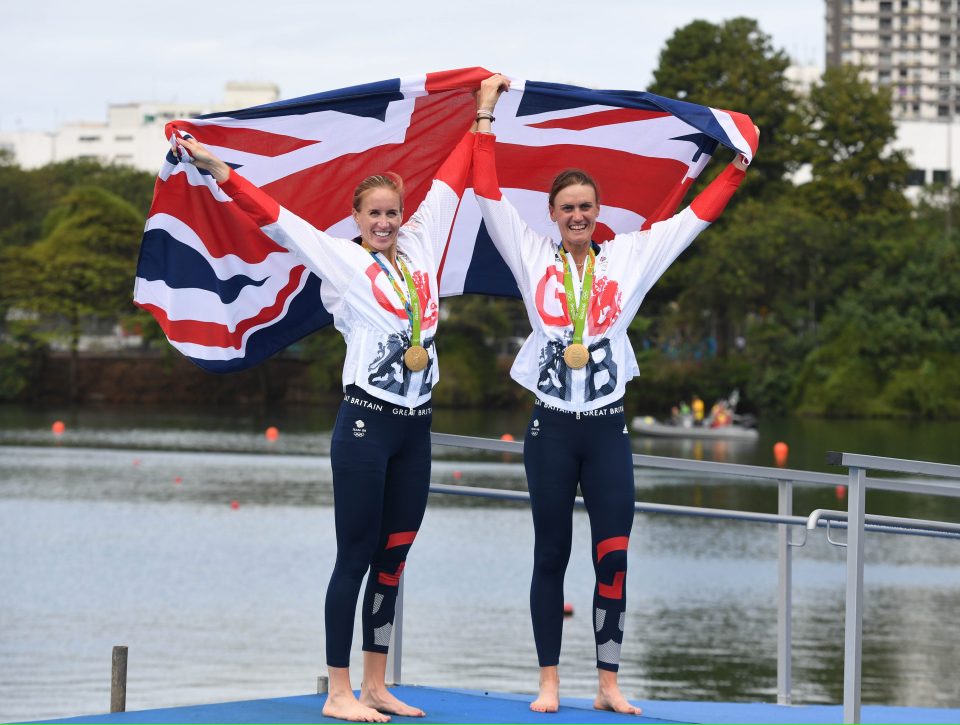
21 361
892 344
774 354
733 65
665 381
841 294
470 373
928 389
23 204
845 131
83 267
28 197
325 349
132 185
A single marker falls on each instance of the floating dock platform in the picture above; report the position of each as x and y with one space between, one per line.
478 706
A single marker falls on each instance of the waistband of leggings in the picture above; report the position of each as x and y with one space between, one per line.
606 411
355 395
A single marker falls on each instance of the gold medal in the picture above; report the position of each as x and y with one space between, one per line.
576 356
416 358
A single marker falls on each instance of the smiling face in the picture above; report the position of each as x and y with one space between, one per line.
575 210
379 218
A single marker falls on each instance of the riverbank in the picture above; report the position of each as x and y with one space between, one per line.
473 376
165 378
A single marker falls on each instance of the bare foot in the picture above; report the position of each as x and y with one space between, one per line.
384 701
612 699
347 707
548 700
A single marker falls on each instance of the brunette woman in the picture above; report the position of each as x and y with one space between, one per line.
576 362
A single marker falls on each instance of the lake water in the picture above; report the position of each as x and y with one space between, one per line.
121 531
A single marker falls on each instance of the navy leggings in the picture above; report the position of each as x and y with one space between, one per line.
561 450
381 477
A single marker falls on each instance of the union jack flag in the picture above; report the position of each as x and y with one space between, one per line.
228 297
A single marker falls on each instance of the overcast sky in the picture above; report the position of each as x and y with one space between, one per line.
64 60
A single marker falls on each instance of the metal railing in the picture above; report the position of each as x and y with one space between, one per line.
783 519
858 521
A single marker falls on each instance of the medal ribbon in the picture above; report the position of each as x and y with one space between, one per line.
411 303
578 308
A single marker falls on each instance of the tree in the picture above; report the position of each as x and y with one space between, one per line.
126 182
470 372
28 196
891 345
24 201
846 133
733 65
83 267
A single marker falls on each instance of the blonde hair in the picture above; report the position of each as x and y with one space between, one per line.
388 180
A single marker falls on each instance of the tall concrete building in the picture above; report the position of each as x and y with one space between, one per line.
911 46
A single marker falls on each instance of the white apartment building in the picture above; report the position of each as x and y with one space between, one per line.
911 46
934 148
132 134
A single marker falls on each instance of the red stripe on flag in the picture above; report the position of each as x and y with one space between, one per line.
460 78
670 203
248 140
436 125
615 590
615 543
602 233
401 538
213 334
222 228
601 118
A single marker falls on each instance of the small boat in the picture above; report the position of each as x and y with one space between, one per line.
645 425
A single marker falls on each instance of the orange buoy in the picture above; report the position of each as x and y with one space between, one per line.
841 492
177 481
780 452
506 437
234 504
567 609
58 427
272 433
457 475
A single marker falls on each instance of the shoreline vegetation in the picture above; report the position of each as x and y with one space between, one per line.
821 291
160 377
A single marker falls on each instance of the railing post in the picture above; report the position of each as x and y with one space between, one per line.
784 597
395 655
853 623
118 680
